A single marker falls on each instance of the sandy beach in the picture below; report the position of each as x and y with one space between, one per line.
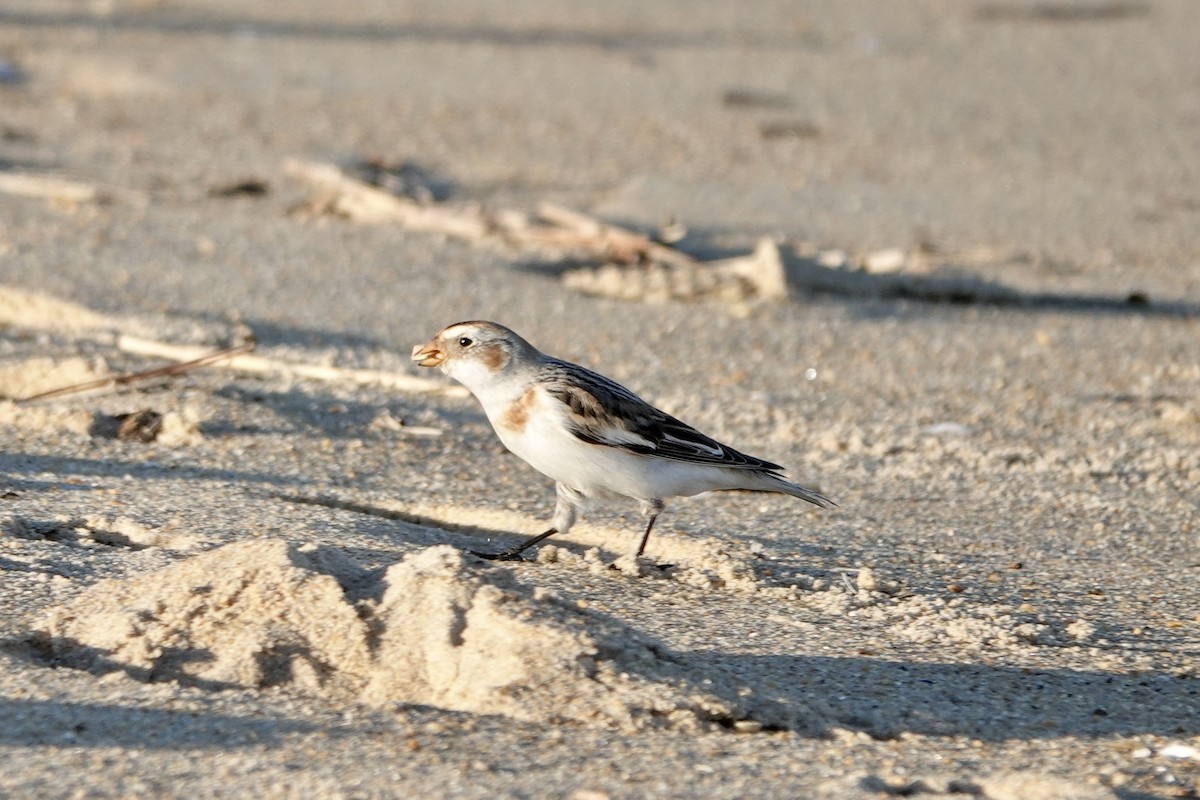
941 260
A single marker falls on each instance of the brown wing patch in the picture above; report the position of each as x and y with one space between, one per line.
609 420
582 404
517 415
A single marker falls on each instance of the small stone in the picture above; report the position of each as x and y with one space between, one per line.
1179 750
883 262
832 259
867 582
588 794
384 421
946 429
1081 630
143 426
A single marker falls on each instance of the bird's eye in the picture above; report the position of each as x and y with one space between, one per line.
465 341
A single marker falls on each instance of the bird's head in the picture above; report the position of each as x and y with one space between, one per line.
475 353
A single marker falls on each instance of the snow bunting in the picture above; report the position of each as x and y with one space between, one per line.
592 436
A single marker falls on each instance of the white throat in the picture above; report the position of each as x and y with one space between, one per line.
494 390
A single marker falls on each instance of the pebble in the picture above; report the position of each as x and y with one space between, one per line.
1179 750
867 582
589 794
832 259
946 429
1081 630
886 261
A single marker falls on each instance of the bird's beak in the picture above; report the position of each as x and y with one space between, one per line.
428 356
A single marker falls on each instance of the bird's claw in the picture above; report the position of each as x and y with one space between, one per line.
505 556
659 567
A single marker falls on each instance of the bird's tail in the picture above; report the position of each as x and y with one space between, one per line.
774 483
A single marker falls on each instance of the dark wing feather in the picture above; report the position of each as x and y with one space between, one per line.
602 412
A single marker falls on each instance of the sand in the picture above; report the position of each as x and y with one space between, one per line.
257 583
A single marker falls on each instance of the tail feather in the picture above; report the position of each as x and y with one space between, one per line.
775 483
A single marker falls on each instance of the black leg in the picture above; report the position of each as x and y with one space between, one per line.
646 535
514 553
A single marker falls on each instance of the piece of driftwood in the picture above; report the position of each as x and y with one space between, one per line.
361 201
757 276
555 227
51 188
656 271
573 229
633 266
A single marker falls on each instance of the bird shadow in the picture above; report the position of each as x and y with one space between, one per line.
995 702
70 725
375 521
16 464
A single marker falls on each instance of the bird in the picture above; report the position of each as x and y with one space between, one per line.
593 437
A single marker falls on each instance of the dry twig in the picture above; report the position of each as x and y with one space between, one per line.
243 362
133 377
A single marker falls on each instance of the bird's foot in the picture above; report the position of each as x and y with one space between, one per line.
507 555
514 553
617 567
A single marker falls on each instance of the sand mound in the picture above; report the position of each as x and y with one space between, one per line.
252 614
25 309
438 629
173 428
45 420
32 376
29 377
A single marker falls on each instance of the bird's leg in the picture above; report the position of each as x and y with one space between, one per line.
645 536
653 508
514 553
565 510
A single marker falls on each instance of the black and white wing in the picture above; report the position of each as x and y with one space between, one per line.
602 412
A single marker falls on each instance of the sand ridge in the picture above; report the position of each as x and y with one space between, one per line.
439 628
